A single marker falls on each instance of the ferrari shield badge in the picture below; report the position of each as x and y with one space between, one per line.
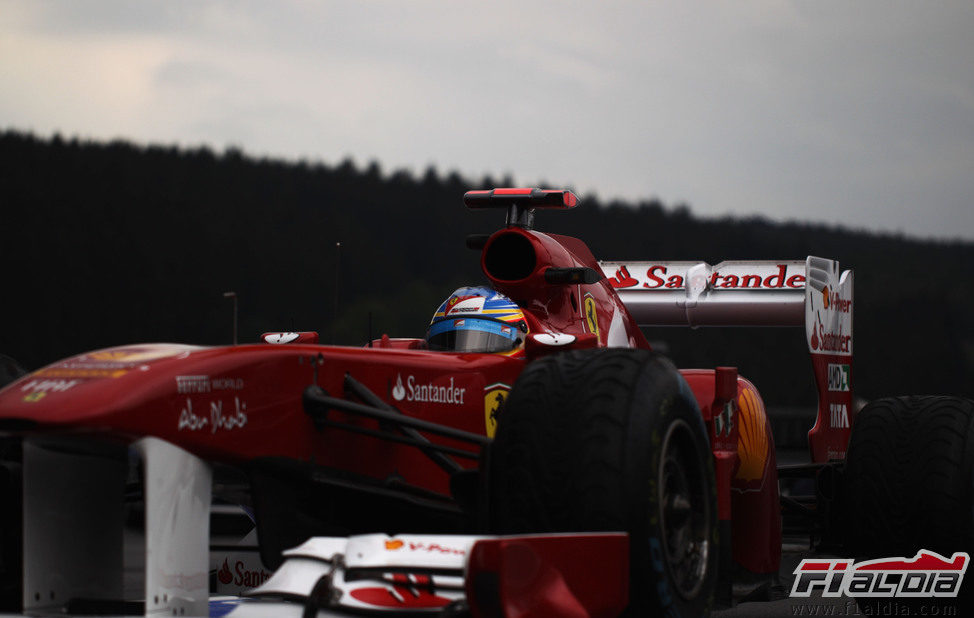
591 317
494 397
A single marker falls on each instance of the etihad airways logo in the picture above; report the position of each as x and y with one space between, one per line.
428 392
927 574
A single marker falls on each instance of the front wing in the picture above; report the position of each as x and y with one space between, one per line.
570 575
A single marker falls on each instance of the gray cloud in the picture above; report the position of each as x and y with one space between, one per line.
858 114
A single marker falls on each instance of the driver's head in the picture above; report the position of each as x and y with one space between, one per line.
478 319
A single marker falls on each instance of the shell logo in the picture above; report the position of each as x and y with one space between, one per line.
136 355
752 443
394 545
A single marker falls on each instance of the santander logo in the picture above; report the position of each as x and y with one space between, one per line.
413 390
225 574
398 391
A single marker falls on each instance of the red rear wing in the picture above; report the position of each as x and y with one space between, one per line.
813 293
527 198
520 203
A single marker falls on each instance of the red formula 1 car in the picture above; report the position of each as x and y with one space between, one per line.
548 414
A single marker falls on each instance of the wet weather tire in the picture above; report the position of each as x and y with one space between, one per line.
608 440
910 476
910 481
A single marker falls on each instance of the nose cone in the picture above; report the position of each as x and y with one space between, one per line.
84 389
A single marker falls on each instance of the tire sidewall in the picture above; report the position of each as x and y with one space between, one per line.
661 400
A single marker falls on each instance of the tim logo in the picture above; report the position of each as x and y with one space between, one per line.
928 574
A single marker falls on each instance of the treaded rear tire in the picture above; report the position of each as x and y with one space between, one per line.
909 475
910 479
609 440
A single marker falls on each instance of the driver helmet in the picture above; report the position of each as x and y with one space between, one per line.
478 319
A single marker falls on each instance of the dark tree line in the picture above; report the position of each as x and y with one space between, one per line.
112 243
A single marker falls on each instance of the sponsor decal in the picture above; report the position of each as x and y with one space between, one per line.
827 341
838 378
227 384
465 304
494 397
752 437
192 384
242 575
87 366
656 281
133 355
419 546
38 389
399 391
49 386
928 574
828 317
622 279
404 591
833 342
83 373
428 392
661 277
838 415
189 420
217 419
187 385
591 315
831 300
724 422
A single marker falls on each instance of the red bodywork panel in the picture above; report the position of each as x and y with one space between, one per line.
538 576
571 309
747 473
829 437
232 404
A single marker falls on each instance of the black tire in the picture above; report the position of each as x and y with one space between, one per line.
910 478
612 440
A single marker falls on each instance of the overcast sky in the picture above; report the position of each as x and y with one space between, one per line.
854 113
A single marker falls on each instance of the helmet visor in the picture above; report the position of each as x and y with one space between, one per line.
472 335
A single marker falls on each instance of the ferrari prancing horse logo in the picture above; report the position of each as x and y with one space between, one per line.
591 316
494 397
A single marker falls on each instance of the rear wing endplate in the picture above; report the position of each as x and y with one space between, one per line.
813 293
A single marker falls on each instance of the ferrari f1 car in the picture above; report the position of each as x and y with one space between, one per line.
581 470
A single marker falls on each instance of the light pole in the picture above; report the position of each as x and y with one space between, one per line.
233 295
